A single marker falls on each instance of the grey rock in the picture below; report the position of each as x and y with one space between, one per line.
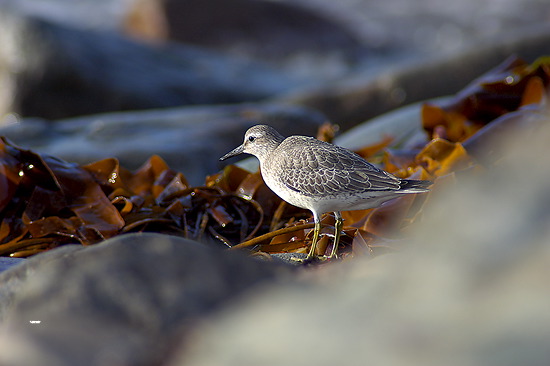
190 139
55 71
122 301
470 289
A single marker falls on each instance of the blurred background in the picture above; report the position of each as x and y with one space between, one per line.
308 36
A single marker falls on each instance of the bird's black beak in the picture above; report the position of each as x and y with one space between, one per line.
238 150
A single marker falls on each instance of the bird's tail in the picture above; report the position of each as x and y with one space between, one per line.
416 185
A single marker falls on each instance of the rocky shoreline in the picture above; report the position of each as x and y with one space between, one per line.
469 286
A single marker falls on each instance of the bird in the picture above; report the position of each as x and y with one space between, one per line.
321 177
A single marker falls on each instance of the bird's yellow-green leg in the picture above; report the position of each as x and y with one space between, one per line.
316 231
337 231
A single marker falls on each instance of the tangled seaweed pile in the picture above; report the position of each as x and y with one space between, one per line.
46 202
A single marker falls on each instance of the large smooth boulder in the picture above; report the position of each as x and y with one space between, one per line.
122 302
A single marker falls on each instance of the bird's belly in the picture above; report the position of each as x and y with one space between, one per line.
347 203
340 202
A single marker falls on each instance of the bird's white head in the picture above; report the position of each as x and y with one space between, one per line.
259 141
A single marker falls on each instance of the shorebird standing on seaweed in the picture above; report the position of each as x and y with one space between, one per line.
321 177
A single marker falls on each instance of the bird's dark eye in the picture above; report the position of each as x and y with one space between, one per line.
251 138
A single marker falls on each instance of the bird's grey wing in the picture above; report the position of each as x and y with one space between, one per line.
314 172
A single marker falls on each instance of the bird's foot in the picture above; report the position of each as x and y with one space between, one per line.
329 257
